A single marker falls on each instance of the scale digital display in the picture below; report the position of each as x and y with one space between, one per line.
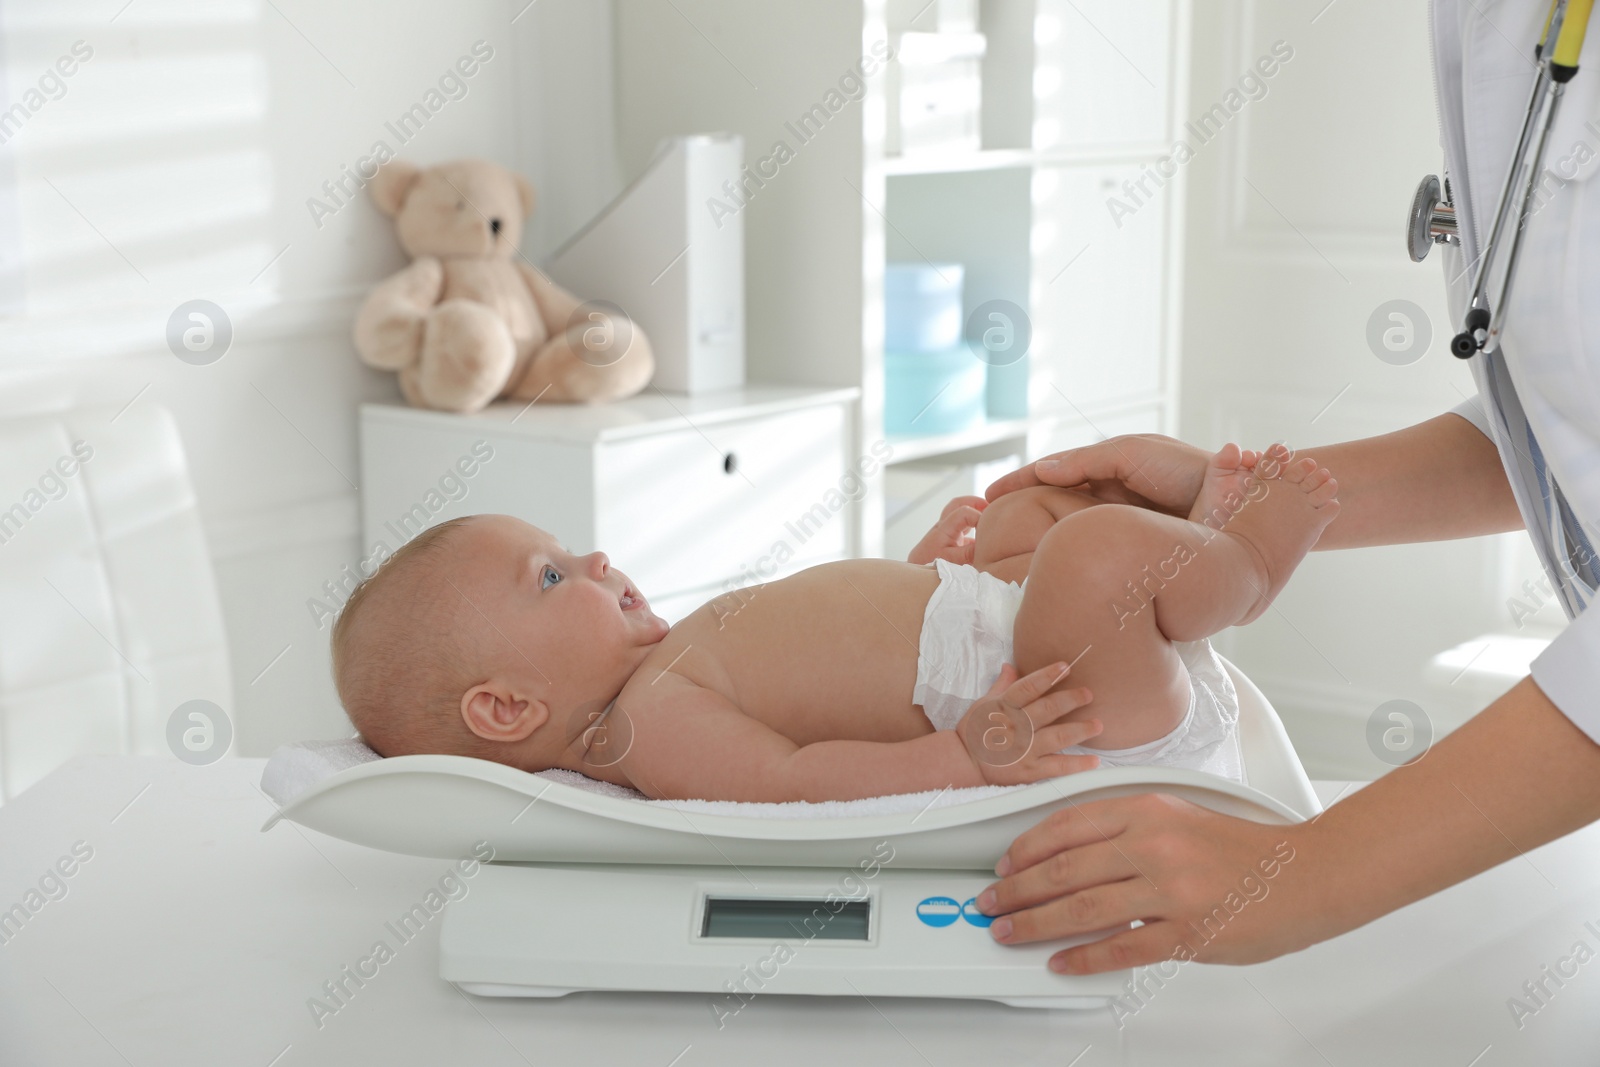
774 917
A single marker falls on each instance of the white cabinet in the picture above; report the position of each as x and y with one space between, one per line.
1099 295
1102 73
689 496
686 510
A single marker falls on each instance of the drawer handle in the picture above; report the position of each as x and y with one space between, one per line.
730 463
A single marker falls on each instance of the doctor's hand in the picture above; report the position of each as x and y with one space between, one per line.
1206 887
1014 734
1147 470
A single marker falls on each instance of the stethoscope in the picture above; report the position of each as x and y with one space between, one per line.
1433 214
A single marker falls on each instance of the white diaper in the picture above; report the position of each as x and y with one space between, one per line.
966 638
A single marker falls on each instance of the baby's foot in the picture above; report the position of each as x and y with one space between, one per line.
1277 507
1228 478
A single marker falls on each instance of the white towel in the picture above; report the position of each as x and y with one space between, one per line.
296 767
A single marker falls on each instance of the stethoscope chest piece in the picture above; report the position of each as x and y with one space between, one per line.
1432 220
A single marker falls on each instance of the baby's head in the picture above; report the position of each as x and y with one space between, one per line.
485 637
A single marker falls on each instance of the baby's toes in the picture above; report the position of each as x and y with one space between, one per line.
1227 459
1298 471
1322 488
1270 465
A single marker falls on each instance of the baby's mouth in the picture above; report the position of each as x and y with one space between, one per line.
630 599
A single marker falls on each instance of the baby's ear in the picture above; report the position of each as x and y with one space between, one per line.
494 712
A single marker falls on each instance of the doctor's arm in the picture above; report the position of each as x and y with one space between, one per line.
1517 775
1434 481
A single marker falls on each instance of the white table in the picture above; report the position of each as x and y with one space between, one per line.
190 938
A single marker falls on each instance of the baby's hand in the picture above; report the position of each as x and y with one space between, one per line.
949 539
1012 732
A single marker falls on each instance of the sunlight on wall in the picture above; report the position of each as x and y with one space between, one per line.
141 177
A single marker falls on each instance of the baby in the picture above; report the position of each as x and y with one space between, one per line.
485 637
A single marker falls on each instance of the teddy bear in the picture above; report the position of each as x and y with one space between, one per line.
470 320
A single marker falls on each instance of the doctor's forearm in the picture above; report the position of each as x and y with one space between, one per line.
1517 775
1434 481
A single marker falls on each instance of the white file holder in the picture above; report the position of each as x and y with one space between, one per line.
669 252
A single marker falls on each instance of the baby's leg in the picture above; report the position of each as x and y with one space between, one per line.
1111 588
1091 601
1011 527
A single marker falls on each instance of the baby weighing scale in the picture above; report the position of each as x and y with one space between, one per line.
592 892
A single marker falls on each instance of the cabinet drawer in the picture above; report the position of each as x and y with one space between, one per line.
695 507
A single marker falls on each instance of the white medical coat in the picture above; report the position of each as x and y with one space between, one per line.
1539 401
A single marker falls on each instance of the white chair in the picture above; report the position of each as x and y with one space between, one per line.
109 617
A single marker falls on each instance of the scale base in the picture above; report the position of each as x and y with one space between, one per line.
496 989
534 930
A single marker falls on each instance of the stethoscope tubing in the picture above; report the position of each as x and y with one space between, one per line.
1484 323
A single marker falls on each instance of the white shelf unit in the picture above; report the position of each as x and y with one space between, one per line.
1079 98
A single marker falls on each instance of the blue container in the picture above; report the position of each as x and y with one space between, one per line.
932 392
1008 390
922 306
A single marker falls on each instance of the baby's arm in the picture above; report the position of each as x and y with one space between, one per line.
691 743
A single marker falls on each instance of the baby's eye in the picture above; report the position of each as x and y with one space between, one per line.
548 577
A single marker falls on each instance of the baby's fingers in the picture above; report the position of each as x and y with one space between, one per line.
1055 765
955 523
973 504
1033 686
1065 735
1008 675
1053 706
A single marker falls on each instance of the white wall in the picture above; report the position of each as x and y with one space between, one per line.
178 165
1296 215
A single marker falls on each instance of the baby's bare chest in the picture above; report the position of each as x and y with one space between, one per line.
829 653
